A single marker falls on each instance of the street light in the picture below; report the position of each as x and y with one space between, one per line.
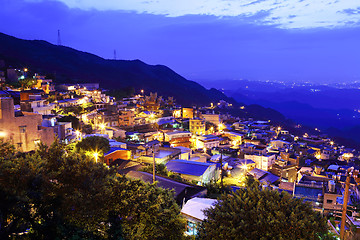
96 156
2 134
78 134
102 127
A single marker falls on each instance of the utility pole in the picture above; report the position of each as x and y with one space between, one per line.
154 163
349 173
346 199
221 168
114 54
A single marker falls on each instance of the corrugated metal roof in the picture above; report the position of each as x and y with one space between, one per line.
188 167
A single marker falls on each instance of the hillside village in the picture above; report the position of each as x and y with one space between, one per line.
192 146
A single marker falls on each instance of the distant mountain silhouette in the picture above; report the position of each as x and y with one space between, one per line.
71 66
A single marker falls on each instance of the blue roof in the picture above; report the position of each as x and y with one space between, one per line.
308 193
188 167
270 178
114 149
246 161
165 121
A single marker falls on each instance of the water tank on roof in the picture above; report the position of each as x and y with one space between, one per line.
331 185
313 183
320 197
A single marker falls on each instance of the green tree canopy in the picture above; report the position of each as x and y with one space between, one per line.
94 143
56 194
251 213
74 121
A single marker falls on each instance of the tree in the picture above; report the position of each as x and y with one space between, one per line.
87 129
94 143
74 121
55 194
251 213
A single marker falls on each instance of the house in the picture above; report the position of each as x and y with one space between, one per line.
126 118
197 126
235 138
178 138
22 129
200 172
207 141
187 113
116 153
193 212
264 176
186 153
182 191
278 144
284 170
213 118
311 189
263 162
162 155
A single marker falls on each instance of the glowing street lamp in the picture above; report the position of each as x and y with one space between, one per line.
2 134
244 166
96 156
102 127
221 127
78 134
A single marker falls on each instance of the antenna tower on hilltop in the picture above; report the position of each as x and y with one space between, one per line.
59 39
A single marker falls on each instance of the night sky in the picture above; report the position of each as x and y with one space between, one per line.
288 40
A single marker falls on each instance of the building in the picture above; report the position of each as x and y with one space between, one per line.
201 173
116 153
284 170
264 177
40 106
193 212
126 118
235 138
207 142
263 162
278 144
213 118
44 84
23 129
178 138
188 113
197 126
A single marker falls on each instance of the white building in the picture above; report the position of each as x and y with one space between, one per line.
263 162
193 211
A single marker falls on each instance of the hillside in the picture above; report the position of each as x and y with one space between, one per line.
70 66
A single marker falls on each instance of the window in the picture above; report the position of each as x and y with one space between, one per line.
329 201
22 129
38 104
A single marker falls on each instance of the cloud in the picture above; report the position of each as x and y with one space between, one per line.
285 13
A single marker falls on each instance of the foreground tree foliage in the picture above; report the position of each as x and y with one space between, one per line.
54 194
252 213
94 143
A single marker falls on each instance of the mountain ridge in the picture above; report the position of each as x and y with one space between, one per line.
71 66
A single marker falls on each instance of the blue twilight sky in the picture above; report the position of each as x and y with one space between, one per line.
286 40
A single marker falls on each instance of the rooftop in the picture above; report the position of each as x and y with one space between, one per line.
188 167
